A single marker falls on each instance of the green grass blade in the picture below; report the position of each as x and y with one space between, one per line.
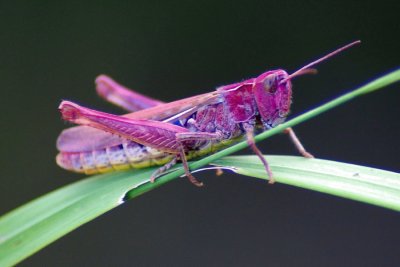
369 185
38 223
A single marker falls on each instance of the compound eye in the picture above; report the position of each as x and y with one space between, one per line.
270 84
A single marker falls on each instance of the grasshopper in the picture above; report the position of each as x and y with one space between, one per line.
158 133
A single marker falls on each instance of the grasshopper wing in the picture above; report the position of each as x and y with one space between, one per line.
85 138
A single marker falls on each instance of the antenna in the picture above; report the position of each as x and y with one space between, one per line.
306 70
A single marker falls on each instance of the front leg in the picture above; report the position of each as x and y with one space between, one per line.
249 128
297 143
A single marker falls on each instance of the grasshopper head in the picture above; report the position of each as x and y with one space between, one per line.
273 90
273 95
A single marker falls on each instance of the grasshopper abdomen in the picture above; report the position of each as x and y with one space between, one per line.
119 157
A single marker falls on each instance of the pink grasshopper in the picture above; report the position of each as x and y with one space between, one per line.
158 133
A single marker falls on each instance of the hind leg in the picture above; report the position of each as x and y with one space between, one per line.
121 96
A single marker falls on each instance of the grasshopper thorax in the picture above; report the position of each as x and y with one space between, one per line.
273 96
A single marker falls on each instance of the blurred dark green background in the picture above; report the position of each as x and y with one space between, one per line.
169 50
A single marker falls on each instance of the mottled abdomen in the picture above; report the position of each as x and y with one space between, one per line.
120 157
129 155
